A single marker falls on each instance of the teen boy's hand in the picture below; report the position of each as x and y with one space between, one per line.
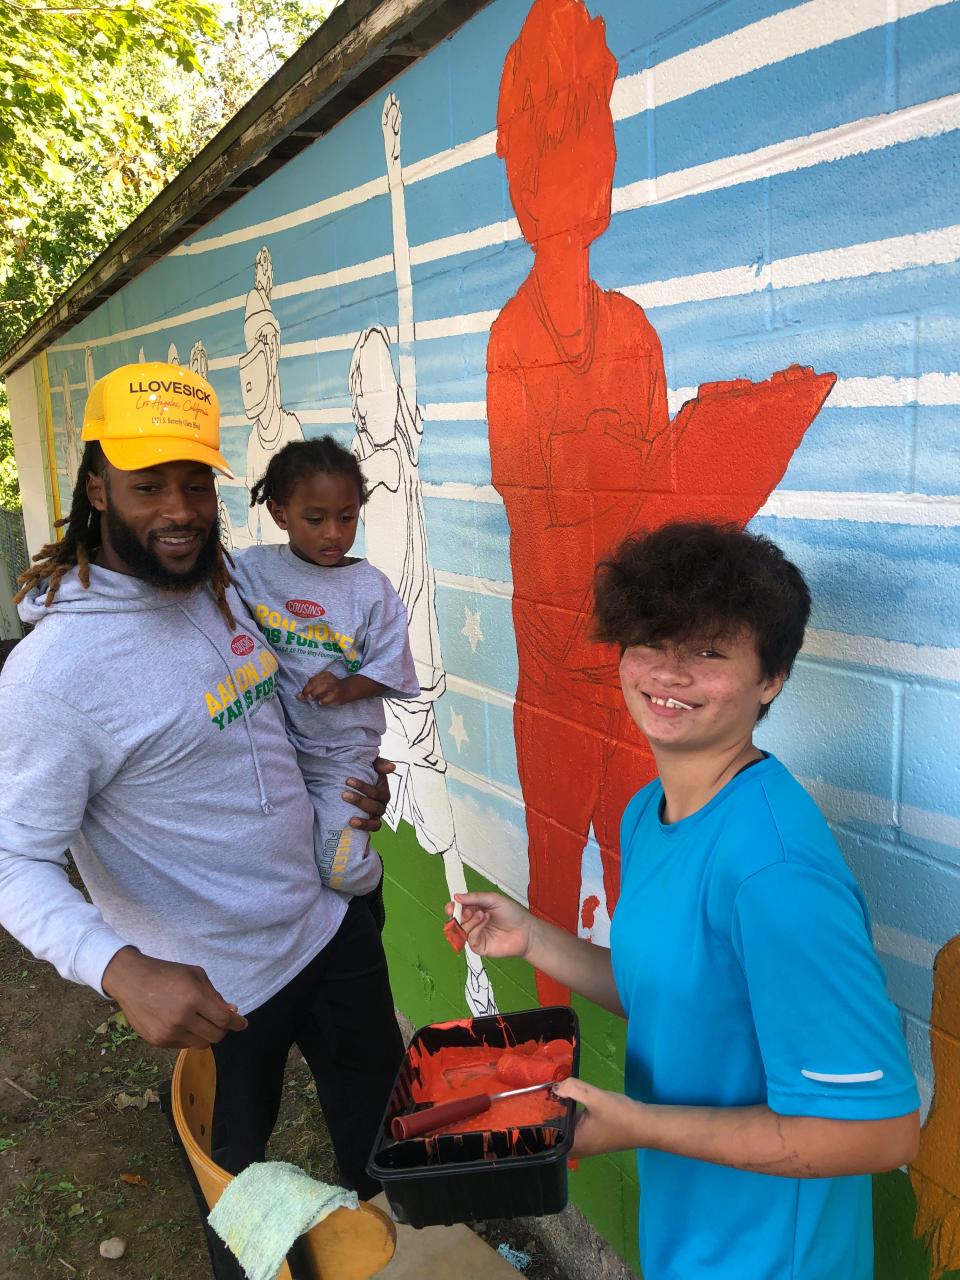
609 1121
494 925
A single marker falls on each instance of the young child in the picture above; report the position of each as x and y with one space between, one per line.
339 632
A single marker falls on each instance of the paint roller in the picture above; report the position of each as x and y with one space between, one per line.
440 1114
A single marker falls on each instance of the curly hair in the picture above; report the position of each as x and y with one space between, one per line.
81 542
302 458
690 580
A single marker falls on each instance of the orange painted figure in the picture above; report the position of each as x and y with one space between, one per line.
583 451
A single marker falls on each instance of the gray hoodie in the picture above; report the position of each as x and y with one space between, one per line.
141 733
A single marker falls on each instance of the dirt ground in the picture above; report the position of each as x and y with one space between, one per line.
86 1154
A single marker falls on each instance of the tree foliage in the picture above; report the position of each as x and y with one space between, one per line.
102 102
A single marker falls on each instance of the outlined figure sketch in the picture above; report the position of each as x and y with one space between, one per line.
200 363
389 429
272 426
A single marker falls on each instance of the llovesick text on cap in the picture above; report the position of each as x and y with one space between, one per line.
177 388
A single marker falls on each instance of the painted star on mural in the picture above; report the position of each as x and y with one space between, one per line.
471 628
458 730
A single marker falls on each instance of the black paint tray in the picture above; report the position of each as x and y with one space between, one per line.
470 1177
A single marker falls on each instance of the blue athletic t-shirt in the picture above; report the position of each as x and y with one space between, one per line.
742 955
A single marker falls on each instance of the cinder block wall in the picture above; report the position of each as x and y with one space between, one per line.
782 190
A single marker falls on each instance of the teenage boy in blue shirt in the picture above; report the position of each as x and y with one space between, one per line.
766 1072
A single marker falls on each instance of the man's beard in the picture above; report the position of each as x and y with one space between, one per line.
144 564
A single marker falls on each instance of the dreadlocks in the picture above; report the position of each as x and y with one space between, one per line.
81 541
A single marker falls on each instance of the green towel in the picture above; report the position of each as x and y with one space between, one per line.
266 1208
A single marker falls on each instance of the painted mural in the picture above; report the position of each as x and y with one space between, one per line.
685 259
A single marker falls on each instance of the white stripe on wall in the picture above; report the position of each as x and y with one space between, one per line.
882 392
494 697
839 804
842 804
309 213
905 946
790 504
457 411
849 650
875 257
336 417
870 508
924 824
801 29
870 133
806 27
479 586
480 783
890 655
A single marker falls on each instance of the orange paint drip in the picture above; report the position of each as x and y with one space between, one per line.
588 912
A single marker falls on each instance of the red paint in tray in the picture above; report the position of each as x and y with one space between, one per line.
461 1072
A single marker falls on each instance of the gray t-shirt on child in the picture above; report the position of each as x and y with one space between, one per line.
347 619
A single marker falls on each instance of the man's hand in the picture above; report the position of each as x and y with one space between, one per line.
609 1121
371 797
324 688
172 1006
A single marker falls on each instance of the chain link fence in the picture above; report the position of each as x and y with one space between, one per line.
13 562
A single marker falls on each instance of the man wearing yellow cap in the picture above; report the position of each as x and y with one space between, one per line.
157 753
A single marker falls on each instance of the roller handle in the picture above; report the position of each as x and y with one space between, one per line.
444 1113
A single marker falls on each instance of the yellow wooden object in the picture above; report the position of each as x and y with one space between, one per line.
348 1245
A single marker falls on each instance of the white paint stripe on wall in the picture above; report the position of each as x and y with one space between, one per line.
918 509
905 946
494 697
875 257
761 44
309 213
456 411
891 655
802 29
479 586
836 646
870 133
480 783
840 804
337 417
940 828
881 392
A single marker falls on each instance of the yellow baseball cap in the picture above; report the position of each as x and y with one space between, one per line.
147 414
